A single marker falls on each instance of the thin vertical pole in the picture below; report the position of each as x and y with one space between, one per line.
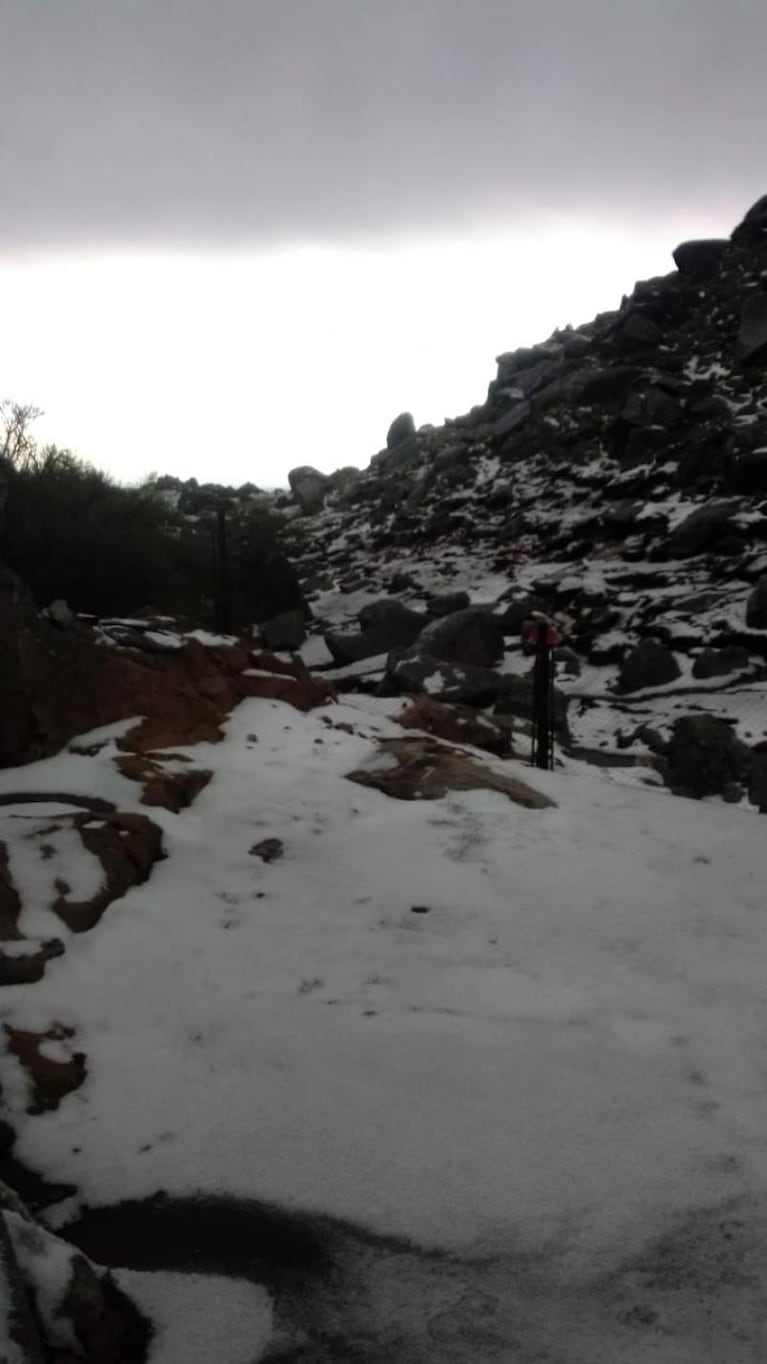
222 586
543 698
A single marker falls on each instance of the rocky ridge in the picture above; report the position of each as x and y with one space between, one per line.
614 479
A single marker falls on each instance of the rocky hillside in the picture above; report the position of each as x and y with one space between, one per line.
615 479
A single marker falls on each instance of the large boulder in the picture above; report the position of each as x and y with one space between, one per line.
385 625
402 430
648 665
756 606
720 662
701 257
702 528
473 636
447 603
651 405
393 619
309 488
347 647
411 670
704 757
752 335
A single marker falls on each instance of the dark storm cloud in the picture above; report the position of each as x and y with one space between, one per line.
192 121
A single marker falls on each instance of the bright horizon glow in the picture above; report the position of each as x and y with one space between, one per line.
236 367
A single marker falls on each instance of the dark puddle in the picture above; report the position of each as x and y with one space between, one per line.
205 1235
316 1269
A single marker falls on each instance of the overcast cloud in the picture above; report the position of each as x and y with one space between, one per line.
237 121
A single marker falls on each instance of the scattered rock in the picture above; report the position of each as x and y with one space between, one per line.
173 789
704 757
649 664
651 405
277 679
26 962
393 619
720 662
427 770
702 528
409 670
51 1077
269 849
448 603
636 331
127 846
402 582
472 637
756 606
10 904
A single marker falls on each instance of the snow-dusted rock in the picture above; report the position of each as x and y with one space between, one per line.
473 636
308 487
752 336
756 606
704 757
701 256
401 430
648 665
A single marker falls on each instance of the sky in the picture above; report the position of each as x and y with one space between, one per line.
242 235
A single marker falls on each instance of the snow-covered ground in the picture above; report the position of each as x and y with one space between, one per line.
557 1065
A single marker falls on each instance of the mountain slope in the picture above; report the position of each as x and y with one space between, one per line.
615 479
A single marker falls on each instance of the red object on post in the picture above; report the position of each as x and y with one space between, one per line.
531 635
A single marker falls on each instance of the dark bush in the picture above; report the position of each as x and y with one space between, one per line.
69 532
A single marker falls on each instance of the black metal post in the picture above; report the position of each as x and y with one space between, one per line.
543 699
222 584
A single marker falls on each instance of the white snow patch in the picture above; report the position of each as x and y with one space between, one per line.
199 1319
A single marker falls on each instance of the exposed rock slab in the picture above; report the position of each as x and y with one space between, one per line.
426 770
458 724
